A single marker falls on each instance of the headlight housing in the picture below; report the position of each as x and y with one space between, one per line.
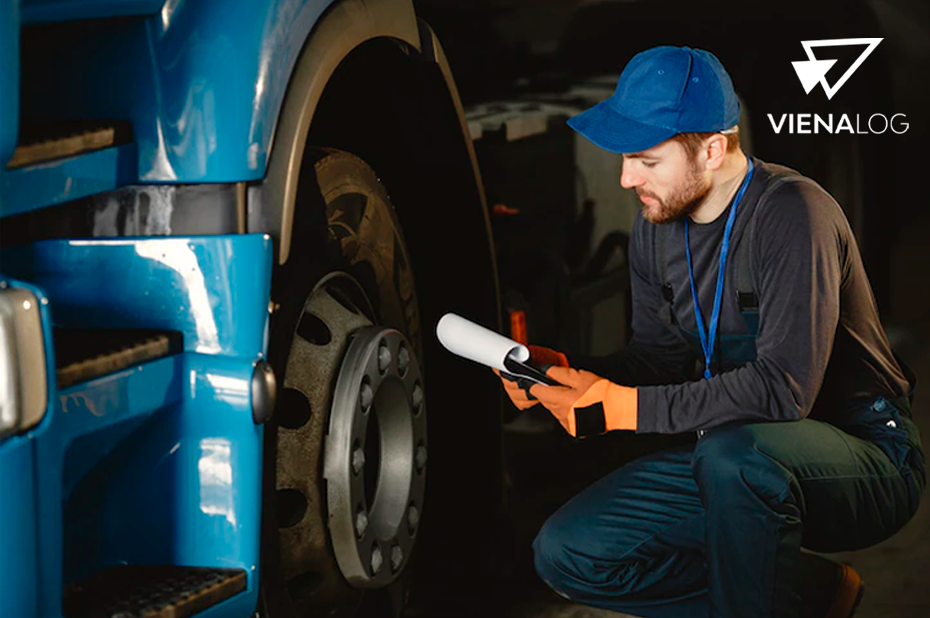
23 387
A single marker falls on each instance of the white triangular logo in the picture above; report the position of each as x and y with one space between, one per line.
813 71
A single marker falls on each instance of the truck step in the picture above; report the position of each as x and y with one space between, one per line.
48 141
84 354
145 591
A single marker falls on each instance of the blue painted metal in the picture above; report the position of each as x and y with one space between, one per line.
9 79
21 517
184 487
35 11
68 179
202 83
18 529
97 416
193 285
159 463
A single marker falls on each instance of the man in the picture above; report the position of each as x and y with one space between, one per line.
801 409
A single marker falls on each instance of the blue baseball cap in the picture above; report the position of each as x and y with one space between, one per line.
663 91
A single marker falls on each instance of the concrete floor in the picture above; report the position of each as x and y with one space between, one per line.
896 572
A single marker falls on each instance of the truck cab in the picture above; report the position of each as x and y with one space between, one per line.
218 233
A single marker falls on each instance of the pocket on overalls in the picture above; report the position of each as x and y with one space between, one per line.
914 460
885 425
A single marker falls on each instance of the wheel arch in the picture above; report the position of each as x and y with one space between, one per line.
351 43
421 131
395 105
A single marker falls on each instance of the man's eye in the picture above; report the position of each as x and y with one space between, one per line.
649 163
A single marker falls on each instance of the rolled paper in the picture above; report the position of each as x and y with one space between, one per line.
477 343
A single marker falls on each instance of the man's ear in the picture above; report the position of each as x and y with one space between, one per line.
715 151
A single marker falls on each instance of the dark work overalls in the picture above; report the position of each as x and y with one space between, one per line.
715 529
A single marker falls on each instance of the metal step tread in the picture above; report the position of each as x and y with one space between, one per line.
43 142
151 591
85 354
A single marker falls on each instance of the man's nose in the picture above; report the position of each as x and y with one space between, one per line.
629 179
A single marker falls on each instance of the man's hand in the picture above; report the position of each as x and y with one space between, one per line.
542 357
518 396
539 357
588 404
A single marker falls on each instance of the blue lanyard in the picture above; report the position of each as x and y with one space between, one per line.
708 346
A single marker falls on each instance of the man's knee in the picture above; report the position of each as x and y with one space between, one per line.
549 550
728 463
573 573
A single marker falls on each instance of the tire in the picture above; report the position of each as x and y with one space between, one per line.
347 291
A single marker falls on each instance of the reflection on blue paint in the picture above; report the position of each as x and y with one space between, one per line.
178 255
228 389
216 496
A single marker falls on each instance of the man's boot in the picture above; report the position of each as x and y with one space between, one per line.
828 589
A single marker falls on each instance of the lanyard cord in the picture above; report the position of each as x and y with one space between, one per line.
708 346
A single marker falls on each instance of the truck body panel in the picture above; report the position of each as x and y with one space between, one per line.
44 11
9 80
30 188
159 463
201 84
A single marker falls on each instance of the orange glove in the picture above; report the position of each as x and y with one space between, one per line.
539 357
588 404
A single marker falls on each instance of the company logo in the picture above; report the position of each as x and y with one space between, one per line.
812 71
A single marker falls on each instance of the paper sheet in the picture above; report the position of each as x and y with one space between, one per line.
477 343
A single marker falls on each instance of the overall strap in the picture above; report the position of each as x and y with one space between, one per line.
661 240
746 297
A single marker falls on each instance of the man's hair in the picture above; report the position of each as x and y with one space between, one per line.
692 142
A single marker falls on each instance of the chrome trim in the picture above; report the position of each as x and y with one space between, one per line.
23 380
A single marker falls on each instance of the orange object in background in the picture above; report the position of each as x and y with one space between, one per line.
518 327
504 209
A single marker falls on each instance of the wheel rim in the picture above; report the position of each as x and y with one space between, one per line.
336 344
377 423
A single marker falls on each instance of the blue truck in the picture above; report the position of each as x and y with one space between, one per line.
227 231
213 348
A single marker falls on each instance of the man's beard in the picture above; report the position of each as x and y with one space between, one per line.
681 202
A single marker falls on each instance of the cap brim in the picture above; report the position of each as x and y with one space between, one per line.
611 131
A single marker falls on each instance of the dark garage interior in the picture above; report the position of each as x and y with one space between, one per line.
532 57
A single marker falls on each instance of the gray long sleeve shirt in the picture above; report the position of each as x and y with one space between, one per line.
820 343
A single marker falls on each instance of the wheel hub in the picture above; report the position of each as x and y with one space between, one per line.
375 457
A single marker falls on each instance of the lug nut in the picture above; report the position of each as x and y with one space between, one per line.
403 359
384 358
417 397
361 523
413 518
397 557
421 458
376 560
358 459
367 395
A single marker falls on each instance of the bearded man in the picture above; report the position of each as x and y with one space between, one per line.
755 326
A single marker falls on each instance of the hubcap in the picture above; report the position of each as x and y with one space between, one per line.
375 457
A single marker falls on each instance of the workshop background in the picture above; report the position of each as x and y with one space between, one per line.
523 66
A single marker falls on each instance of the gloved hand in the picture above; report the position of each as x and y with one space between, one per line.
541 357
518 391
588 404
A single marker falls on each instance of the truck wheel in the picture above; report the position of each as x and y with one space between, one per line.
349 433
